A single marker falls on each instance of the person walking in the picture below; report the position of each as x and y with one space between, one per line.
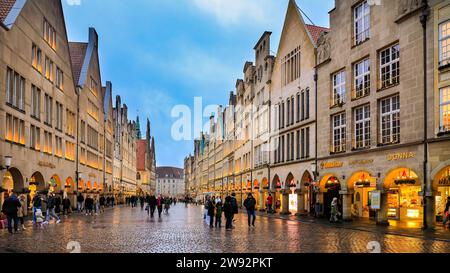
334 211
250 206
66 206
102 203
159 205
10 208
235 206
219 210
37 204
228 211
447 212
89 205
96 205
167 202
22 211
142 202
269 203
211 210
51 201
113 201
152 203
80 201
58 202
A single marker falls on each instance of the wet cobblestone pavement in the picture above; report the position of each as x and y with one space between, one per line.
127 230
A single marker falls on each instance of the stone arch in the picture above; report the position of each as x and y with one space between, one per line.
438 173
399 174
69 185
256 184
55 183
13 180
361 176
265 183
326 178
306 180
276 182
37 180
290 181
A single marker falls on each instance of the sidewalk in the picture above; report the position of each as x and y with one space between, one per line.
439 234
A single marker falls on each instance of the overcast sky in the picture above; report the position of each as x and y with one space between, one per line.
162 53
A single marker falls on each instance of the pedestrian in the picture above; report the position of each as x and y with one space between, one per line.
152 203
58 202
234 204
66 206
51 201
89 205
102 203
39 218
211 212
80 202
219 210
108 201
229 212
167 202
96 205
334 211
250 206
112 201
22 211
10 208
141 202
447 212
159 205
269 203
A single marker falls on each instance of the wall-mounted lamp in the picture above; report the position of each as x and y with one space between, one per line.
7 163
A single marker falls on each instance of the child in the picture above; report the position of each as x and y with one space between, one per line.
39 218
219 214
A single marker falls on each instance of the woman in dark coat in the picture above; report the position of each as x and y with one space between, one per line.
228 211
211 212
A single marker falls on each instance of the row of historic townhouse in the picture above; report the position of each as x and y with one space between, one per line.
356 111
58 126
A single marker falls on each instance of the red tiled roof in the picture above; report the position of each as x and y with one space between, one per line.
315 31
77 54
5 8
169 172
140 154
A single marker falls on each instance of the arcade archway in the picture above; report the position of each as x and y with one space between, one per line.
330 186
361 184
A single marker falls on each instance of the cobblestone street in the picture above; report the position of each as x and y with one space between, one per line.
123 230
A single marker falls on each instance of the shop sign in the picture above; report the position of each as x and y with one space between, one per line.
47 164
400 156
361 162
376 200
331 165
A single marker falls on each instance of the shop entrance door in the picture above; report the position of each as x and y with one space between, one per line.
328 198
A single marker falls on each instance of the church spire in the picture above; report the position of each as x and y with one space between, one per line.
138 126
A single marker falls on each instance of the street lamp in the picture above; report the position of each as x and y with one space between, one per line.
7 163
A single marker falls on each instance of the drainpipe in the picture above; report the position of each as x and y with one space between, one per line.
77 172
423 20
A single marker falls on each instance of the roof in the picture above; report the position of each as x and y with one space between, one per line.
5 8
77 54
171 172
315 31
141 147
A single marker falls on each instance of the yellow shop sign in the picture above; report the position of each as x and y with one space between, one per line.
331 165
400 156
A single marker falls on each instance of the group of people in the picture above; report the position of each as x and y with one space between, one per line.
215 209
93 205
154 203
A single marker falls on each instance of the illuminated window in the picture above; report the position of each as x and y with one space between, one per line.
35 102
390 120
59 78
59 149
36 58
48 72
362 126
338 88
361 23
339 127
15 89
48 110
444 108
390 66
70 123
35 138
48 143
444 43
59 116
93 110
15 130
49 34
361 79
94 87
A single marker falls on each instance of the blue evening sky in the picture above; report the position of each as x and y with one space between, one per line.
162 53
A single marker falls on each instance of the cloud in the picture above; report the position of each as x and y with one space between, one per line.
73 2
235 12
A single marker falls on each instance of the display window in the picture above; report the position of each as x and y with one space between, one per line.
441 184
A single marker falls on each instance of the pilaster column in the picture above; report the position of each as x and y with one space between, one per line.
346 205
431 209
262 206
285 202
300 202
382 218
